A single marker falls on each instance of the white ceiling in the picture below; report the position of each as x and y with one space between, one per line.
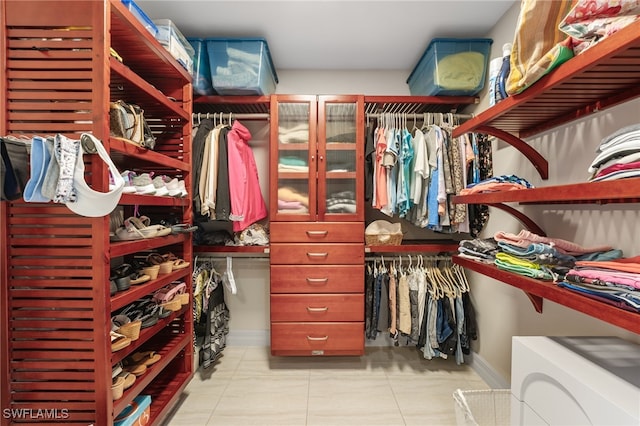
333 34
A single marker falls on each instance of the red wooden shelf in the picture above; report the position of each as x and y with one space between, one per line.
538 290
603 76
121 248
435 246
617 191
146 155
170 349
232 250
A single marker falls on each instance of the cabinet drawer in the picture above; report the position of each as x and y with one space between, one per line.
317 279
316 232
317 307
319 338
317 254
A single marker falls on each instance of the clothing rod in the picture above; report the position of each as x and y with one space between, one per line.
417 115
225 116
234 257
405 258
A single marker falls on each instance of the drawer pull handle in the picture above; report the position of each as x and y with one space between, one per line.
322 255
317 280
323 309
317 233
317 339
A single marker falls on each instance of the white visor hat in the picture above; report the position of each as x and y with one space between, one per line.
88 202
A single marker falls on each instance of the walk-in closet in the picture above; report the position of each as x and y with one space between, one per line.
319 212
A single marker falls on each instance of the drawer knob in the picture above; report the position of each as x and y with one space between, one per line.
319 281
317 339
317 233
323 309
322 255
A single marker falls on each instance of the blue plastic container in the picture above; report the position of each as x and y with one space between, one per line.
451 67
141 16
201 71
241 66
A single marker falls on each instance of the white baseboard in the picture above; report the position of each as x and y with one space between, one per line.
487 373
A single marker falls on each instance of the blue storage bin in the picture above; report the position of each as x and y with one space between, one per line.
136 413
141 16
201 71
451 67
241 66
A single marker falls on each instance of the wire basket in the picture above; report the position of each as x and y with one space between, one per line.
383 233
482 407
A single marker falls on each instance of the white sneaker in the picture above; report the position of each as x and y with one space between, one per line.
160 187
128 182
183 189
144 184
173 187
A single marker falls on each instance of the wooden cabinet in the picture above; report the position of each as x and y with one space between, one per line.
317 158
56 305
604 75
317 225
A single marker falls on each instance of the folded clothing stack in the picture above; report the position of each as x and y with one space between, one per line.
618 155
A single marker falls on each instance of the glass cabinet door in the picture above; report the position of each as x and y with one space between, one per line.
293 158
340 158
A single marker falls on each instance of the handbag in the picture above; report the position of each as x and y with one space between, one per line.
127 121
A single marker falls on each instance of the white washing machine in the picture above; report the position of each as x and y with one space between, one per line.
575 381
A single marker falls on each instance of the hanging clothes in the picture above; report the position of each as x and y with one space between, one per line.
225 176
247 204
415 174
428 305
210 313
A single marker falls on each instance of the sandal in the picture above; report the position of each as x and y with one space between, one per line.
129 379
117 387
147 358
141 225
169 293
121 277
119 341
139 277
135 369
176 262
180 264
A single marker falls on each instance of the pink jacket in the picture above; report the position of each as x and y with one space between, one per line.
247 204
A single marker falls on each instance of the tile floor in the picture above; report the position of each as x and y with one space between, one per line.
388 386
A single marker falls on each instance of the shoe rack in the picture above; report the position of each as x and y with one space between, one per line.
55 305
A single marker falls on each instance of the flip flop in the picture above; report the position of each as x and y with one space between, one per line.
180 264
136 369
147 358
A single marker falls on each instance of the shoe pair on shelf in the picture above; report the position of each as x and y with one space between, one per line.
148 184
139 228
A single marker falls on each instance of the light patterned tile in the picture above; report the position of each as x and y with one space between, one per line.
263 400
363 400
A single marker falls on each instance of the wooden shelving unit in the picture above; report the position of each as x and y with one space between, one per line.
605 75
55 304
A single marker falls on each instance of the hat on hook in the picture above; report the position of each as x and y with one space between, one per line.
89 202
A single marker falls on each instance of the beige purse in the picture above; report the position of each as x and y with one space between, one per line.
127 121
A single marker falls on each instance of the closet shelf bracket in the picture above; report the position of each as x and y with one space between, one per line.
538 161
522 218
